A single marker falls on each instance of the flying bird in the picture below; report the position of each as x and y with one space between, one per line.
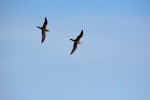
44 30
76 42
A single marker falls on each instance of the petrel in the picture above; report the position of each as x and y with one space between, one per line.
76 42
43 29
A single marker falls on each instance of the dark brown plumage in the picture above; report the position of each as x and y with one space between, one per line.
76 42
44 30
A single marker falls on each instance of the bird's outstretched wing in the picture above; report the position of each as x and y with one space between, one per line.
79 36
43 36
74 48
45 23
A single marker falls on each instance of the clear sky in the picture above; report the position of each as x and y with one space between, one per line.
112 64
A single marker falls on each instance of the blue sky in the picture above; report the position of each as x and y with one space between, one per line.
112 64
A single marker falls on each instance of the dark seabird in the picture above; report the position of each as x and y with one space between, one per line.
43 29
76 42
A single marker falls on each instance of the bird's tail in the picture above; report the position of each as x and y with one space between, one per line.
39 27
72 40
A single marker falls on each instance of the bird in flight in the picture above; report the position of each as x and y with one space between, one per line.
43 29
76 42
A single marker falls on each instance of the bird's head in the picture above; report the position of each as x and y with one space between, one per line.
80 42
47 30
